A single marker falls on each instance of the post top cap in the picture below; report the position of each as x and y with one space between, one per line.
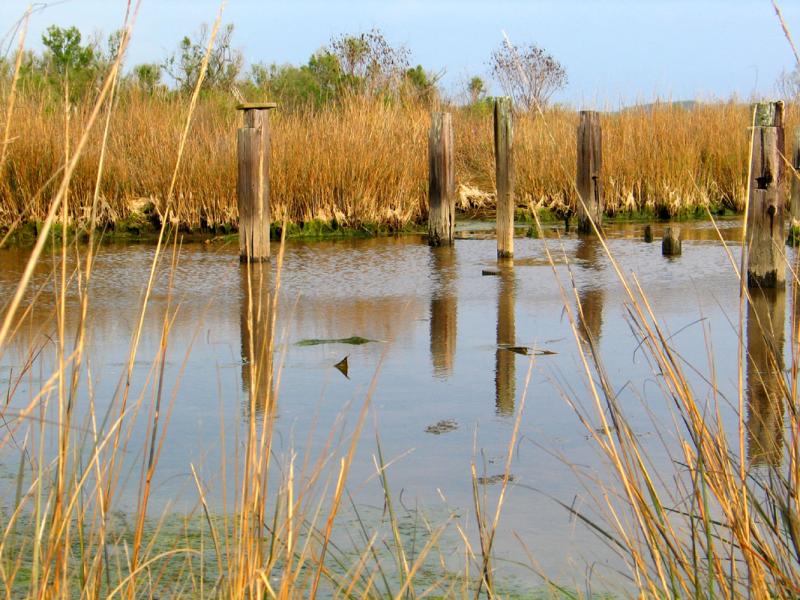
256 105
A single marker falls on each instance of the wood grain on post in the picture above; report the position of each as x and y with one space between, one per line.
765 230
441 181
794 203
504 172
589 168
671 242
252 186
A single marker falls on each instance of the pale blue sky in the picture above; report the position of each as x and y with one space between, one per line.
614 51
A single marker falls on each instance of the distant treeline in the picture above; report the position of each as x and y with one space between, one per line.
364 64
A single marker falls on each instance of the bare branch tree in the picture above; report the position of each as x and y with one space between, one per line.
369 60
788 84
528 74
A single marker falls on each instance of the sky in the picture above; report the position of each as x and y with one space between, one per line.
615 52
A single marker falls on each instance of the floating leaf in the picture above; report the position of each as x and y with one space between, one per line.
493 479
352 340
342 366
442 427
526 350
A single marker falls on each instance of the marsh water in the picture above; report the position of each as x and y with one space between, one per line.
447 388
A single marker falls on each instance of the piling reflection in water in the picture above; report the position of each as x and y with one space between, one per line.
765 385
590 296
505 360
255 328
444 305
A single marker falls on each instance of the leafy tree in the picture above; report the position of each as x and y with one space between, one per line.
316 83
528 74
476 89
224 65
65 53
422 84
67 59
147 77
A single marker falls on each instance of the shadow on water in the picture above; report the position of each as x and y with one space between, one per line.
255 327
765 389
505 365
590 294
444 305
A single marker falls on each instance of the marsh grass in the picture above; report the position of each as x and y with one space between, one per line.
360 162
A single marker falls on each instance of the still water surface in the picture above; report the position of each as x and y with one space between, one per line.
440 325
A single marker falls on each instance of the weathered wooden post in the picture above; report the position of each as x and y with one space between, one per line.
252 186
441 181
648 233
794 202
589 168
671 242
765 235
504 172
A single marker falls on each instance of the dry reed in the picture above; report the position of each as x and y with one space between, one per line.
363 161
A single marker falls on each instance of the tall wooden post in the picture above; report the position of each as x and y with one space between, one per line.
441 181
794 203
252 186
589 168
765 235
504 171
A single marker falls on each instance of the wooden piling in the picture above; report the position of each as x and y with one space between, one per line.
648 233
671 242
441 181
504 171
794 202
765 229
252 187
589 168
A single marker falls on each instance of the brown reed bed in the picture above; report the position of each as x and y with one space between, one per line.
363 161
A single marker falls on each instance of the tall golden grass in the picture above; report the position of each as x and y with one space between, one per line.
363 161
